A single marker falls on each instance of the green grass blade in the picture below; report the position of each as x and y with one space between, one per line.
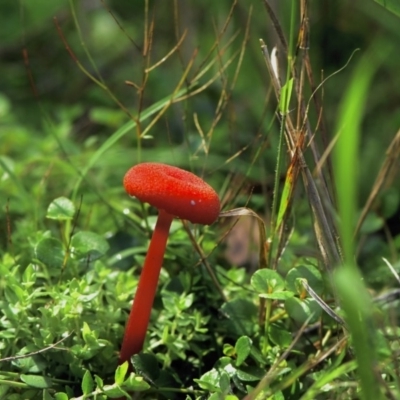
390 5
346 149
355 299
358 306
327 378
286 95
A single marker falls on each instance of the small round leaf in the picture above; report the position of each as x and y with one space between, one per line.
61 209
88 245
209 380
269 284
267 281
278 334
308 272
300 310
61 396
50 252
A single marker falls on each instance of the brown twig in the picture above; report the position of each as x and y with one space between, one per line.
33 353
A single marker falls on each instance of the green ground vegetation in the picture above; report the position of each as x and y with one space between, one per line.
289 109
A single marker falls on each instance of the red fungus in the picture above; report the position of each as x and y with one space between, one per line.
176 193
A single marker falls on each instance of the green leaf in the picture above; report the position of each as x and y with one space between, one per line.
391 5
46 395
29 276
229 350
90 337
328 376
279 335
225 364
175 302
120 373
3 390
87 383
115 392
40 382
135 383
209 381
217 379
269 284
146 365
346 159
308 272
277 396
241 315
243 349
61 209
284 100
250 374
390 200
33 364
300 310
359 309
61 396
50 252
7 167
224 382
283 295
372 223
99 381
86 331
88 246
267 280
14 293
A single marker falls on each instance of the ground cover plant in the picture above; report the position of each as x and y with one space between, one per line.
289 111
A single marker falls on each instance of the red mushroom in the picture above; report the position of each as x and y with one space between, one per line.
176 193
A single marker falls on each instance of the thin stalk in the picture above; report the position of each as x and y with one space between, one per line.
281 133
138 321
268 310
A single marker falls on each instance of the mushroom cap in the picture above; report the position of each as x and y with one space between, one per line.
174 190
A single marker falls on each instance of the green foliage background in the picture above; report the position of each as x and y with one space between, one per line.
53 121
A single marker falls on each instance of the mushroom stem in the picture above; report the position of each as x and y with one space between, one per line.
136 328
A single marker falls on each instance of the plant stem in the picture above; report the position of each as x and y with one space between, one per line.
266 325
136 328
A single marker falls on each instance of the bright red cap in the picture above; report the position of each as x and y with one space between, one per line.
178 192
